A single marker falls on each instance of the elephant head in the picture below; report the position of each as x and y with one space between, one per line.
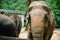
41 18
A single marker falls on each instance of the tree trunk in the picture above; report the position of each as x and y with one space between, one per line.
29 1
38 0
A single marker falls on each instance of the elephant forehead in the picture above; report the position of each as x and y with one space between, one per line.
41 3
38 12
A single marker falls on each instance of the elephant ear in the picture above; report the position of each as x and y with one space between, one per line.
30 9
50 15
47 9
28 14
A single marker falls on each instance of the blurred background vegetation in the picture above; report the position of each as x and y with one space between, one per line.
23 6
13 4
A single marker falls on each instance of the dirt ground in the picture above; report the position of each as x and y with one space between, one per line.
56 35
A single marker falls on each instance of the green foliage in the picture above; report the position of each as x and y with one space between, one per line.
0 3
57 16
14 5
58 3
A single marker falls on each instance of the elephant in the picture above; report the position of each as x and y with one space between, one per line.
7 26
18 22
40 21
10 21
16 19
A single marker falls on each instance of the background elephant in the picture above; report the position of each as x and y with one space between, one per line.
10 25
7 26
18 22
41 20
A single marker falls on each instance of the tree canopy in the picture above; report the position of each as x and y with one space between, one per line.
14 4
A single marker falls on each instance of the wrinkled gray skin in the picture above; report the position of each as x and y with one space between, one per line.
18 22
41 20
7 26
10 26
